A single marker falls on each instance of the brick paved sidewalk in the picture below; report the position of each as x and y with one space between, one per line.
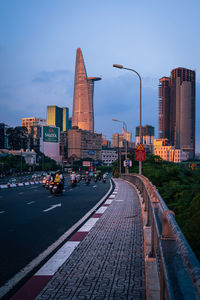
109 262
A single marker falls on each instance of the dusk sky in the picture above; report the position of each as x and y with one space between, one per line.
38 42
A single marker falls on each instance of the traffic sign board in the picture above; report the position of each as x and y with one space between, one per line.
140 147
140 154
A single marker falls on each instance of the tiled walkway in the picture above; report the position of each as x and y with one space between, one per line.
109 261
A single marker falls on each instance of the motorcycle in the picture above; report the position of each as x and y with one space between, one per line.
73 182
104 180
51 185
47 184
44 182
87 180
57 188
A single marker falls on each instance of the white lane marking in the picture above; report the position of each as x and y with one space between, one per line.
119 200
52 207
57 260
94 186
21 193
35 190
88 225
50 196
108 201
101 210
70 189
30 202
33 187
2 212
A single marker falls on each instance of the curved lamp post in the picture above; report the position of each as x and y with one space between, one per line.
140 132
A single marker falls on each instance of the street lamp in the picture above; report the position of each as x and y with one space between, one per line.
140 132
124 125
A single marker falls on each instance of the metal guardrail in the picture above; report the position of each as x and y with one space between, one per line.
178 267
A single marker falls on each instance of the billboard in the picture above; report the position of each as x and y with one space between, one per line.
86 163
50 134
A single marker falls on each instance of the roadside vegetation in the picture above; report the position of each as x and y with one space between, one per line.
180 189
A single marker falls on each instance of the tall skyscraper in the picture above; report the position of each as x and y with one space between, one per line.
177 109
83 113
58 116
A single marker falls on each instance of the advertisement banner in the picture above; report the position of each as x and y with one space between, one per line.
50 134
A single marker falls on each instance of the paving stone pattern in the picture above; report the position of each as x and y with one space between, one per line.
109 262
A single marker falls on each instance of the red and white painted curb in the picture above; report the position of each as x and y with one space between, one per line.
10 185
38 281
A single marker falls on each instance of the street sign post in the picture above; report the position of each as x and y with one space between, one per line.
140 154
127 163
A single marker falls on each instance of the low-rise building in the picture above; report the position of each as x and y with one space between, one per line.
28 122
169 153
109 156
29 156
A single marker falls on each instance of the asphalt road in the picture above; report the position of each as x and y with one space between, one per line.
31 219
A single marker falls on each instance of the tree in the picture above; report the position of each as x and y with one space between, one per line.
17 138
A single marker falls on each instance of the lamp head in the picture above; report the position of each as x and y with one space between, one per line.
118 66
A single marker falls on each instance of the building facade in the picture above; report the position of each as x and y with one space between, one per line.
84 144
118 140
28 122
147 135
58 117
169 153
177 109
83 113
109 156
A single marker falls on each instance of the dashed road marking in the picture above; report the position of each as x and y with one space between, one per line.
30 202
21 193
2 212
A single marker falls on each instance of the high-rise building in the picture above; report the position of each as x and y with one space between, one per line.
83 114
177 109
32 121
147 134
58 117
